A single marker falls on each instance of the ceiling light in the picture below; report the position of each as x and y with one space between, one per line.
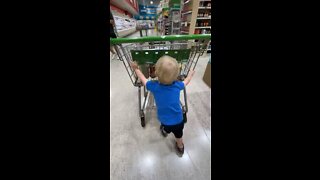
151 2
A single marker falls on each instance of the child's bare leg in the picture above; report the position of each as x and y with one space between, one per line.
179 142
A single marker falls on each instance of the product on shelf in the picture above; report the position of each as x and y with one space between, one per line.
123 23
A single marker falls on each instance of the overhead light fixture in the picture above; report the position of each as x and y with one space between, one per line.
151 2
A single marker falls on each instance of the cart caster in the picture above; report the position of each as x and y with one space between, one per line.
184 117
143 123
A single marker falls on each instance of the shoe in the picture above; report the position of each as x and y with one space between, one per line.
180 150
163 132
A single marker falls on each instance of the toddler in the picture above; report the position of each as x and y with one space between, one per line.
166 91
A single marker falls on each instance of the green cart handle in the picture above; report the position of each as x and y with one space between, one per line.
114 41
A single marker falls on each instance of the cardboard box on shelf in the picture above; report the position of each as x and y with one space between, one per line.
207 74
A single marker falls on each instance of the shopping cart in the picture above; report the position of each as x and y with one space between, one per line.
186 49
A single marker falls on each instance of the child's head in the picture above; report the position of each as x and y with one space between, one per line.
167 70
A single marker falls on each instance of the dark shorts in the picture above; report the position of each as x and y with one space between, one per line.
177 129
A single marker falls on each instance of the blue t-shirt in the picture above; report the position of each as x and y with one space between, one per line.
168 101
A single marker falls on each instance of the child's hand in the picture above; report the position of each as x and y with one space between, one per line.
134 65
191 72
189 77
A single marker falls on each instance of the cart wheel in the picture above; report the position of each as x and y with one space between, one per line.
184 117
143 123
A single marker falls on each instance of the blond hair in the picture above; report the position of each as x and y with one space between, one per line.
167 70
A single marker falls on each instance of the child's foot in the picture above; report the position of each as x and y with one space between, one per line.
163 132
180 149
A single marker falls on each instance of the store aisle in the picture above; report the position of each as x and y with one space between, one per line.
150 32
142 153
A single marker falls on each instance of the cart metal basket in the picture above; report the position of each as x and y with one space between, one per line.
186 49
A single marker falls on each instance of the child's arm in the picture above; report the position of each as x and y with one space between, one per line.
188 78
139 73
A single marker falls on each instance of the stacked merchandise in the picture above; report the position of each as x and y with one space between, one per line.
175 21
186 16
124 25
166 20
203 24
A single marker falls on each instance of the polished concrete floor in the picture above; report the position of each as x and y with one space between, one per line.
142 153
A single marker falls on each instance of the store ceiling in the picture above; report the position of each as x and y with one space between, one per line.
148 2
